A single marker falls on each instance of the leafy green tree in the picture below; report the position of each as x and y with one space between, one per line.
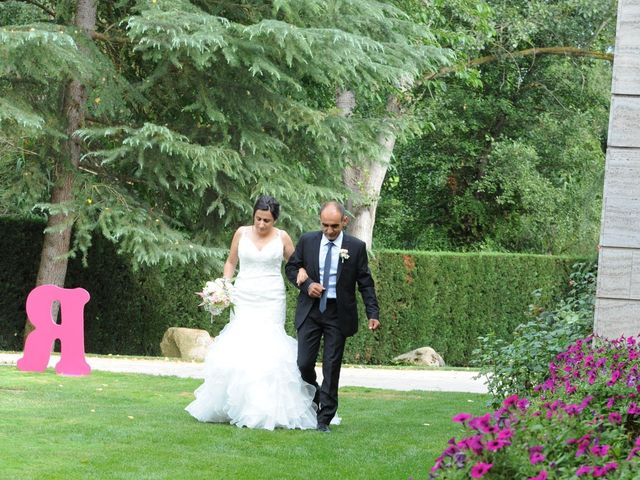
156 122
516 162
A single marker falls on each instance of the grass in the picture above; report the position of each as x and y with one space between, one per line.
134 427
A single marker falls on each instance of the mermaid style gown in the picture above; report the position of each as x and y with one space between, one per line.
251 378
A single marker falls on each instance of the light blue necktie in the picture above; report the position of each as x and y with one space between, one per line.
325 279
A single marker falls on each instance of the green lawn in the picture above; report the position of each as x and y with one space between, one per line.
127 426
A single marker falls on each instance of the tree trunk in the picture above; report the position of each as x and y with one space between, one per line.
365 180
53 259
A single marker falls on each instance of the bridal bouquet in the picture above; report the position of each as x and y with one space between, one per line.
216 296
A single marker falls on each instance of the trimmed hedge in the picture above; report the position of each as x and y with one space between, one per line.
444 300
447 300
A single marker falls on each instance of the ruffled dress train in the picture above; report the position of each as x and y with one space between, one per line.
251 378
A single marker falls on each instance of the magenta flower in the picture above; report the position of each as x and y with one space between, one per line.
461 417
509 401
583 470
615 418
634 451
473 443
600 450
541 476
536 458
610 466
481 423
573 409
495 445
480 469
614 378
633 409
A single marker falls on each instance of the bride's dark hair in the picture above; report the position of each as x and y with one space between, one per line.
266 202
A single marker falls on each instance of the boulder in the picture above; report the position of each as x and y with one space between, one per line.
189 344
421 356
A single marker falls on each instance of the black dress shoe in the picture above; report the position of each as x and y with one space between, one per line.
323 427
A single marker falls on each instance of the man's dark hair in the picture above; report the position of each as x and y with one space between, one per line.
337 205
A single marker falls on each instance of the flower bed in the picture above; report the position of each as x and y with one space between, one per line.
582 421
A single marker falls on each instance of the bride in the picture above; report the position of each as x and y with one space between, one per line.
251 378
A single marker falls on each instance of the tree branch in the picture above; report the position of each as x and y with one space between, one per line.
37 4
106 38
570 51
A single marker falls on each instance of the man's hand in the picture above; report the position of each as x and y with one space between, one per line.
374 324
315 290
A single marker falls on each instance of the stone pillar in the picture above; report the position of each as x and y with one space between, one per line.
618 295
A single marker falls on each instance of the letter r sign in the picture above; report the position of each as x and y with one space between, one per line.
70 331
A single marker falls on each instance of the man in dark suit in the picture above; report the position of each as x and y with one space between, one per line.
335 263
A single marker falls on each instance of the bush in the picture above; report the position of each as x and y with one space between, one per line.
443 300
20 244
516 367
584 420
447 300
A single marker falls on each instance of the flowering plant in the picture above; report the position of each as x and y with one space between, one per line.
344 254
582 421
216 296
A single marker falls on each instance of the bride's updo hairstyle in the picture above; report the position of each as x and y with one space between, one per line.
266 202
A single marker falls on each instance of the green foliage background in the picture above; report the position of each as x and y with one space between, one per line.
511 158
443 300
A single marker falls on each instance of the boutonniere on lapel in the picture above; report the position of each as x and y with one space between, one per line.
344 254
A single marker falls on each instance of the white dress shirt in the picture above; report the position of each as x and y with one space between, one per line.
335 254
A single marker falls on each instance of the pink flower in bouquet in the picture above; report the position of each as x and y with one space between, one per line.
216 296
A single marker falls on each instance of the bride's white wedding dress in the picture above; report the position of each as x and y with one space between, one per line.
250 373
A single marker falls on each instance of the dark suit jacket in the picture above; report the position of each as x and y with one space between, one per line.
351 272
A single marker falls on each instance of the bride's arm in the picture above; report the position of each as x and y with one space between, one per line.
302 276
288 245
288 251
232 259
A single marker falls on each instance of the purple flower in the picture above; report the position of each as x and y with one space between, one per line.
495 445
610 466
536 458
573 409
541 476
473 443
614 378
479 469
509 401
583 470
481 423
615 418
600 450
633 409
461 417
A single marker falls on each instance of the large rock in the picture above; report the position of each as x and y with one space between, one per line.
421 356
190 344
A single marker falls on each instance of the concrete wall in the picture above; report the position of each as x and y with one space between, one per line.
618 294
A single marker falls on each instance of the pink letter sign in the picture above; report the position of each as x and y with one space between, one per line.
70 331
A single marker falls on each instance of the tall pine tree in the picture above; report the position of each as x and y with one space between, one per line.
158 122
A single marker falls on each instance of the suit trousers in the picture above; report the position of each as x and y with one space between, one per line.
316 326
